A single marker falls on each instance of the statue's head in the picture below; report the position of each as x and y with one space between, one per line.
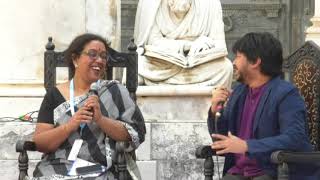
179 6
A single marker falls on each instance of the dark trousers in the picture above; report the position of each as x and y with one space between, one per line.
239 177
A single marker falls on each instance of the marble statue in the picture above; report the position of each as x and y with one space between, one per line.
181 42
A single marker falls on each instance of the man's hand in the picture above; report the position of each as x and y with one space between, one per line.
219 94
229 144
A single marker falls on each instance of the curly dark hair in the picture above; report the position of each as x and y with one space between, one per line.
264 46
76 47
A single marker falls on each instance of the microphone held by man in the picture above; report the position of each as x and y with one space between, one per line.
219 97
219 110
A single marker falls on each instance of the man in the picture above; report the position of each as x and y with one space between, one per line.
181 42
263 113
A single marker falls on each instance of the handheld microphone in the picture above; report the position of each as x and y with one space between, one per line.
93 89
218 114
219 109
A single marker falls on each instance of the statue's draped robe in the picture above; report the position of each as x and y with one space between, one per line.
154 28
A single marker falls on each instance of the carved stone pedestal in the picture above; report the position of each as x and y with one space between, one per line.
176 118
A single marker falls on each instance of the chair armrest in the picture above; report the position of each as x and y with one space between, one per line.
203 152
283 158
23 145
121 164
279 157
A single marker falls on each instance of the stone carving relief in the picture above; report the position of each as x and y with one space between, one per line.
239 13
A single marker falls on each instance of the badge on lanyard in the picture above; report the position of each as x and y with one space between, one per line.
75 150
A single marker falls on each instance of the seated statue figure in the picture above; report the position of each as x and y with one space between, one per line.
182 42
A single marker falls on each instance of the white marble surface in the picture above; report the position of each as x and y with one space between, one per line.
174 109
17 106
317 8
10 133
22 90
178 141
183 170
144 151
177 90
102 17
148 169
9 169
313 32
26 26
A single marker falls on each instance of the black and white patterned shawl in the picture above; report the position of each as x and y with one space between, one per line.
116 104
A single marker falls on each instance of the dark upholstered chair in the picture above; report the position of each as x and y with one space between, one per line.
53 59
302 68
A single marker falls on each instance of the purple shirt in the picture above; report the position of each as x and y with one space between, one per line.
245 166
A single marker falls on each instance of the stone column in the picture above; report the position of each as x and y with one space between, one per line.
313 32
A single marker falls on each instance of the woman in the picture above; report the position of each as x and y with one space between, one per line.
69 113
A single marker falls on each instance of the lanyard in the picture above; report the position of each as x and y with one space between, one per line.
72 104
72 97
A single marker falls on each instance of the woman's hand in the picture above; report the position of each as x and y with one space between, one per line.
83 115
93 104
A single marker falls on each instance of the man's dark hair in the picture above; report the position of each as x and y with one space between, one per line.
264 46
76 47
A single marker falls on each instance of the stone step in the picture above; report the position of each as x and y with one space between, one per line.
9 170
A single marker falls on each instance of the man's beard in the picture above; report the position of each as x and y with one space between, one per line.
239 76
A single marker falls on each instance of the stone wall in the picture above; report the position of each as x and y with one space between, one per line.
128 13
26 27
176 126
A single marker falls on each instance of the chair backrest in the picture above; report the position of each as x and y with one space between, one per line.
53 59
302 68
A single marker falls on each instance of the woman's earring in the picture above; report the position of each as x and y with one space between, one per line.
75 65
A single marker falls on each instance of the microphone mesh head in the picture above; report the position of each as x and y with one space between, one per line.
94 86
93 89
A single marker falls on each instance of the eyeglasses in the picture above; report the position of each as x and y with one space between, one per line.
94 54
